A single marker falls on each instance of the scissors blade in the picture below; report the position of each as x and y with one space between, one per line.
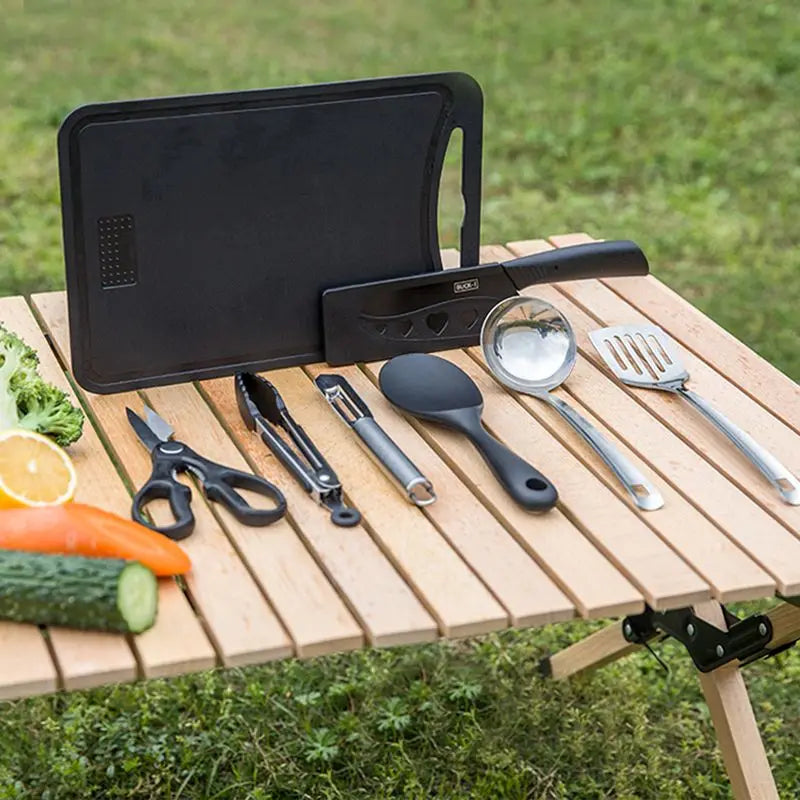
146 436
158 425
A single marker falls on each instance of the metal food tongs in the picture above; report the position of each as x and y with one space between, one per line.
262 407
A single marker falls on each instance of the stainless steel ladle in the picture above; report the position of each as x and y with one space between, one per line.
529 346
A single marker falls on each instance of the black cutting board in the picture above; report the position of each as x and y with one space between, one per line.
199 232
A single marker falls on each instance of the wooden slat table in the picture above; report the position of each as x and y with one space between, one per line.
474 561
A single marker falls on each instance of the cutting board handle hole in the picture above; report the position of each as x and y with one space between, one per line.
452 206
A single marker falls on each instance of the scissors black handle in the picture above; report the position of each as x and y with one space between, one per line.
218 482
220 485
162 485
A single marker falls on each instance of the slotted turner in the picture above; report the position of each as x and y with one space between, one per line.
645 355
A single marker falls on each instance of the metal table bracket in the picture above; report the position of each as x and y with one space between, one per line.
709 646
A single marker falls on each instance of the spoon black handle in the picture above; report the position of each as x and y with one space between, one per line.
522 481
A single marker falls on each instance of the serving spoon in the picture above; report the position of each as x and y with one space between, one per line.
434 389
529 346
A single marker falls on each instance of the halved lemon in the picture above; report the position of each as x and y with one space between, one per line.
34 471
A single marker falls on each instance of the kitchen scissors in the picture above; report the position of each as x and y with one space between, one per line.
219 483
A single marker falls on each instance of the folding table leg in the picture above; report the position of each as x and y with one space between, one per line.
724 689
739 740
735 723
785 620
594 651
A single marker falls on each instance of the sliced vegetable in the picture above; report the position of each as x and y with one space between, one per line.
104 594
78 529
34 471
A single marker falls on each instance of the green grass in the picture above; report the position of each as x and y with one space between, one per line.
470 720
674 123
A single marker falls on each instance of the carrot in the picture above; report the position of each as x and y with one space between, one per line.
78 529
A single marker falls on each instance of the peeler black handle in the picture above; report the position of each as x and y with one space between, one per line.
591 260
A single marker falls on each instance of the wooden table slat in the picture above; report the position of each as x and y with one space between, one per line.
763 382
26 667
448 588
243 628
388 610
783 442
521 586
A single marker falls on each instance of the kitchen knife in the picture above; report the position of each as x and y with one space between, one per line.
443 310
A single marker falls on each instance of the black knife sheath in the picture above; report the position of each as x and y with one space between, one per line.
443 310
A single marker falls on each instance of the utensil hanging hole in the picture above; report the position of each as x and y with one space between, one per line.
656 362
634 364
421 494
345 517
535 484
660 348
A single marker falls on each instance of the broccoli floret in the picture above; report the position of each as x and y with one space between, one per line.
27 401
11 343
46 409
17 368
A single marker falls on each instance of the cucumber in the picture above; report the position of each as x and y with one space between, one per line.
103 594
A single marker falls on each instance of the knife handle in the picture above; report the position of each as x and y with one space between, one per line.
591 260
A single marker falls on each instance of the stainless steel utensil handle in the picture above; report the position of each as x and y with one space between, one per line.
417 487
779 476
641 490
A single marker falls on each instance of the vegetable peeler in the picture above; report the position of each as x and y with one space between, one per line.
355 413
262 408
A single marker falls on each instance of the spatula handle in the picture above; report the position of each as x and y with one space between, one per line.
522 481
779 476
591 260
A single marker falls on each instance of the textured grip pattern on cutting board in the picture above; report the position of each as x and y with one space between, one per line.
116 251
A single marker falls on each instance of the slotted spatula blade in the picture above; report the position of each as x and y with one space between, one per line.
645 355
641 355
